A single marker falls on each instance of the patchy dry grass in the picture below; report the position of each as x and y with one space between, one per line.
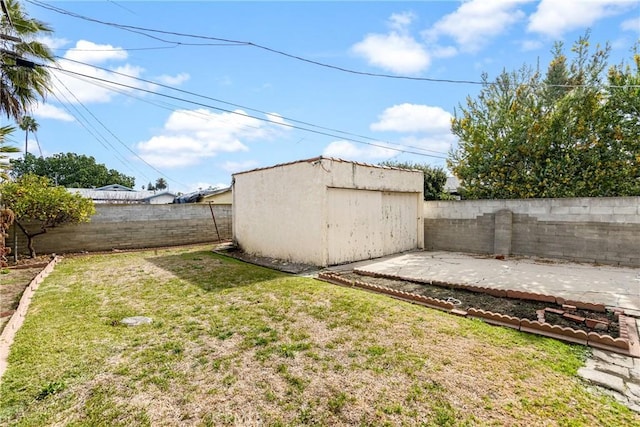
235 344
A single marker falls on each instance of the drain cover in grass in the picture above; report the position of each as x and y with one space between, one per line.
136 320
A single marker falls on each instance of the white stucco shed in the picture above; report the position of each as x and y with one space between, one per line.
325 211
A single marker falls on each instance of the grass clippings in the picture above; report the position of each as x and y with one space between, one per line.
235 344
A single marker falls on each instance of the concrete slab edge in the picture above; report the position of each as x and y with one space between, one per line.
627 344
17 319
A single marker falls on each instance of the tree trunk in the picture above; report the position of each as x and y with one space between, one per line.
30 236
32 251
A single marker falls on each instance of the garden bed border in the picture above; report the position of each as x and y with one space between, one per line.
17 318
627 343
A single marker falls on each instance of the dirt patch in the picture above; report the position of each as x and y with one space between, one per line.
13 282
522 309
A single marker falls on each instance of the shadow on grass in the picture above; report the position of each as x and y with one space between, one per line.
214 272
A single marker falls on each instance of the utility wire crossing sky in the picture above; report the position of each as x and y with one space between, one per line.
193 92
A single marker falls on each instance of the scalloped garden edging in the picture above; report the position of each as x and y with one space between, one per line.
627 343
14 324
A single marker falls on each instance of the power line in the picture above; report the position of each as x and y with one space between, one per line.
82 120
120 157
245 115
230 42
247 108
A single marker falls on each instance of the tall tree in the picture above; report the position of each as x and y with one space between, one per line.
23 81
161 184
434 178
28 124
567 133
70 170
38 206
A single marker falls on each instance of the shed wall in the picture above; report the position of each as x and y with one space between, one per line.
327 211
278 212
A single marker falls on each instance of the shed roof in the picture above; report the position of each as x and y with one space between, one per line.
320 158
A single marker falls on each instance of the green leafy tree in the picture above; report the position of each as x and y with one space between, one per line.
161 184
23 80
39 206
434 178
567 133
6 215
70 170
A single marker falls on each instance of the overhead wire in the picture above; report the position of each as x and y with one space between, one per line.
121 143
88 126
231 42
319 132
35 134
118 155
247 108
116 137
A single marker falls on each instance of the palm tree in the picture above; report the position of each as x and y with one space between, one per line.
28 123
4 149
23 80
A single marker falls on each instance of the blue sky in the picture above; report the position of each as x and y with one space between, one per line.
199 108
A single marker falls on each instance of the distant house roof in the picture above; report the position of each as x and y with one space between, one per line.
123 194
197 196
114 187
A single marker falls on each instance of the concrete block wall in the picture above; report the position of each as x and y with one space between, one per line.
135 226
600 230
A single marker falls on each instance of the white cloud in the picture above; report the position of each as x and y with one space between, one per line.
92 53
553 18
48 111
350 151
427 128
413 118
191 136
475 22
632 24
87 84
444 51
396 51
176 80
400 21
233 167
528 45
53 42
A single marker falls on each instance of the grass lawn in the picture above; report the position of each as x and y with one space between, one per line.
236 344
